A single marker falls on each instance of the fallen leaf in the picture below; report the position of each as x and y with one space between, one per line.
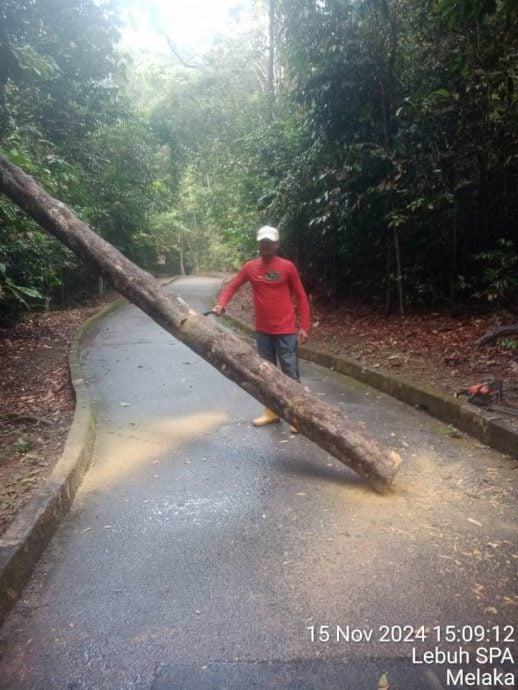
383 683
478 590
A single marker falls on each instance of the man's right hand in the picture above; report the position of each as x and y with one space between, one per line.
218 310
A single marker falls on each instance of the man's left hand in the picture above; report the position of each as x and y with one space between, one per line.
302 336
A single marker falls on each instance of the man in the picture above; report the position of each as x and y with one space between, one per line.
274 282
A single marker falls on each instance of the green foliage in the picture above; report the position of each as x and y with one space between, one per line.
22 445
222 156
18 292
67 123
500 273
509 343
117 193
411 151
27 58
386 150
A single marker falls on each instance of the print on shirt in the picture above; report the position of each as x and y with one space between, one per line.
272 276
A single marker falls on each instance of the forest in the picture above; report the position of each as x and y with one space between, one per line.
378 135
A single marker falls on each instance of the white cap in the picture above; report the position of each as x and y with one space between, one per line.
268 233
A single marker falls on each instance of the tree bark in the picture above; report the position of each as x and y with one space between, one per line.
271 48
327 426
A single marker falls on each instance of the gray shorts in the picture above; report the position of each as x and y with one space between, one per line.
281 350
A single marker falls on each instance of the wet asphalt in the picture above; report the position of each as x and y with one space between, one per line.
201 552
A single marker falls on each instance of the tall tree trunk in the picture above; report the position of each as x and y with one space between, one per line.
386 63
325 425
5 60
385 109
271 54
483 202
388 289
399 269
454 250
182 265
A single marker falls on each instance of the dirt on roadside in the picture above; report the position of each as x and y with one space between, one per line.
36 400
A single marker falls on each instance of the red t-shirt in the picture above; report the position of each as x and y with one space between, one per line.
273 285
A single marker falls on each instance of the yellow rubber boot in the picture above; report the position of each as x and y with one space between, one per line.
268 417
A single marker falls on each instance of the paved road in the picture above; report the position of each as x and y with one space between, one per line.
201 552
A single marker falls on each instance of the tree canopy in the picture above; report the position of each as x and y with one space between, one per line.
379 136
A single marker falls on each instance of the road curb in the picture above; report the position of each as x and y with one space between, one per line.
495 433
26 538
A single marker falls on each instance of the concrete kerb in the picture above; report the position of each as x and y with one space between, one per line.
26 538
495 433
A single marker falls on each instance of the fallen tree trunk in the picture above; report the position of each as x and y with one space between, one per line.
327 426
511 329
